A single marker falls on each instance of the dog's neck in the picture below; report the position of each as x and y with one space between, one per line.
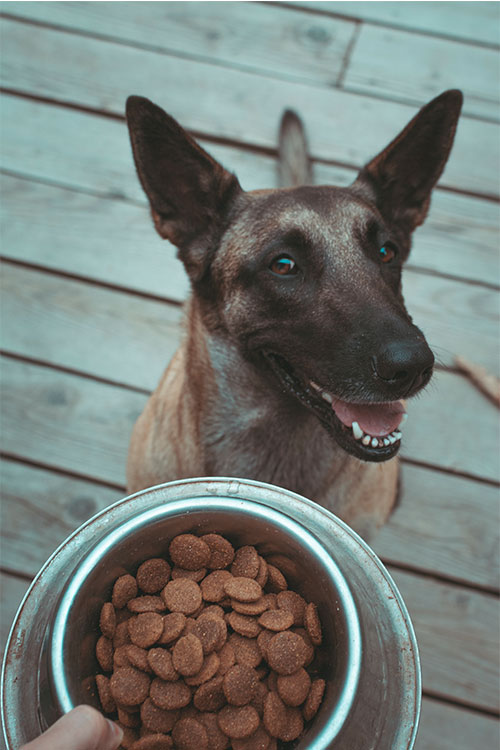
248 426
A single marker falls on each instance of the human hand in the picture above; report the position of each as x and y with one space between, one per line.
83 728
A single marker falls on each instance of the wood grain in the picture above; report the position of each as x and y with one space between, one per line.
446 727
341 126
457 634
12 590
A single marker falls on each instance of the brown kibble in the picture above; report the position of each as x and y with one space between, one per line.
169 695
146 604
313 701
193 575
130 735
276 581
153 575
138 657
286 652
187 655
189 552
244 624
259 740
157 719
260 697
276 619
226 658
129 686
125 588
294 603
107 620
173 625
127 718
217 740
263 641
105 694
246 563
153 742
122 636
212 610
104 653
211 631
294 725
293 689
309 647
240 684
210 695
243 589
182 595
238 721
190 734
120 657
263 573
161 662
209 669
274 714
250 608
313 624
221 551
212 587
246 650
145 629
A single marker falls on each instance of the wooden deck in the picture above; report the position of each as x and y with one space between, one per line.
91 297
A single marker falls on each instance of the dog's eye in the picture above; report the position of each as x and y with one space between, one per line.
283 265
387 253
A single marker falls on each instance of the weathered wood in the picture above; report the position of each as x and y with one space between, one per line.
446 525
445 727
341 126
40 509
12 590
459 237
383 63
474 21
457 633
264 38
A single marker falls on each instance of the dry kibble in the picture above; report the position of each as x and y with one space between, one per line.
263 572
221 551
107 620
173 625
238 721
312 623
189 552
274 714
276 581
104 653
226 658
145 629
244 624
212 587
240 685
146 603
121 637
169 695
250 608
243 589
217 740
161 662
294 603
276 619
157 719
153 575
211 631
314 699
309 647
153 742
187 655
129 686
120 657
193 575
125 588
209 669
294 724
210 696
286 652
259 740
190 734
138 657
105 694
246 650
127 718
182 595
293 689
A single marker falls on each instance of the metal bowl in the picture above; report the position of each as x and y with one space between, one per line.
371 663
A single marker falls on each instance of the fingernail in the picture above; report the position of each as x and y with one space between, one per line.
117 732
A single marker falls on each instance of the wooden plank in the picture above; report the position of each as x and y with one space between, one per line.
446 525
446 727
264 38
460 236
457 633
40 509
383 63
341 126
12 590
473 21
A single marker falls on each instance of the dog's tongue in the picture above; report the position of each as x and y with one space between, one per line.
374 419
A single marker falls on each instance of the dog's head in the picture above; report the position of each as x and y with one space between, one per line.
307 279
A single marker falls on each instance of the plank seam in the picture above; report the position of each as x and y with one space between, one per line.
460 703
348 54
490 591
16 573
453 472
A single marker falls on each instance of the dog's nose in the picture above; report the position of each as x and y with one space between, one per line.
406 364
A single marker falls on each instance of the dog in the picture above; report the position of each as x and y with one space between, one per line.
298 349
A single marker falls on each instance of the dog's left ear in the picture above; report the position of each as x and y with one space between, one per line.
190 193
400 179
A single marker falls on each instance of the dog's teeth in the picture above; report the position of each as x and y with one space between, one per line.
387 441
403 419
314 385
374 442
366 440
391 439
357 431
398 435
327 397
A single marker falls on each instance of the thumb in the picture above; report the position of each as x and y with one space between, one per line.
83 728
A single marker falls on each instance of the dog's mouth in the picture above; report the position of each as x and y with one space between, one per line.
369 431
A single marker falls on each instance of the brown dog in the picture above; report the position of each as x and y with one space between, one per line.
299 348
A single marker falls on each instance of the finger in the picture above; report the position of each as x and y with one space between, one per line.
83 728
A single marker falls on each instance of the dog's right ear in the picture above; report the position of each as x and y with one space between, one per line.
191 195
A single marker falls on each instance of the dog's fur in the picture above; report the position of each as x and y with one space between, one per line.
237 399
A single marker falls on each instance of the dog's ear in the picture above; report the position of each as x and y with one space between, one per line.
191 194
400 179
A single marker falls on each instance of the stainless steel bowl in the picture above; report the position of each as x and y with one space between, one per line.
371 665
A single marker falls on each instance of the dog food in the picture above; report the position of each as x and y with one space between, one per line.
208 650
